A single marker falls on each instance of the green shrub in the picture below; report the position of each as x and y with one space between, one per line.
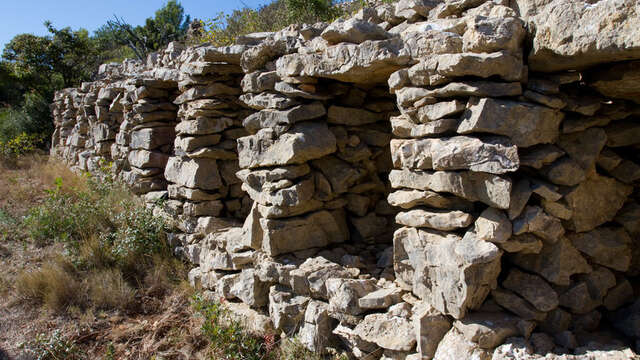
227 336
55 347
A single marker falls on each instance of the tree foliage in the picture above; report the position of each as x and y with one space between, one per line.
169 24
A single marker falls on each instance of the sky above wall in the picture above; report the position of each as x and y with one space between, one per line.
28 16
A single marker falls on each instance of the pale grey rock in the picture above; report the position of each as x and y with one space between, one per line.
440 69
403 127
250 289
489 34
201 173
494 155
266 100
380 299
344 294
147 159
490 189
318 229
315 333
283 119
354 31
436 263
303 142
564 40
407 199
525 123
434 219
488 329
455 346
201 92
203 126
413 10
286 310
493 225
369 62
310 277
430 327
258 81
191 143
439 110
388 332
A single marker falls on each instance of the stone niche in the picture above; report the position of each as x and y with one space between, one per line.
408 183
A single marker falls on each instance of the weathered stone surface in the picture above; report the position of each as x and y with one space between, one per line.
387 331
517 305
201 173
305 141
267 100
380 299
344 294
455 346
606 246
283 119
487 329
556 262
311 276
564 40
442 68
619 295
434 219
584 147
369 62
526 244
493 225
525 123
489 34
618 81
623 133
540 155
402 127
147 159
407 199
351 116
536 221
203 126
494 155
353 31
250 289
436 263
439 110
533 288
315 230
565 171
430 327
595 201
315 333
490 189
286 309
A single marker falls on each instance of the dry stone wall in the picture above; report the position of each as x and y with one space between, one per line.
449 179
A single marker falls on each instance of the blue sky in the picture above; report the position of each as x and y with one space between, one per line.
27 16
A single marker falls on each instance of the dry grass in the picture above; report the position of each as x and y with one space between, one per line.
107 289
52 285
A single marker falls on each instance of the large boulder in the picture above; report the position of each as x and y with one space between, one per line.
577 34
452 274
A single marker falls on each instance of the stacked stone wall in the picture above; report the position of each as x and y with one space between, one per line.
426 179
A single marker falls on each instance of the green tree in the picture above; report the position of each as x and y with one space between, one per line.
169 24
